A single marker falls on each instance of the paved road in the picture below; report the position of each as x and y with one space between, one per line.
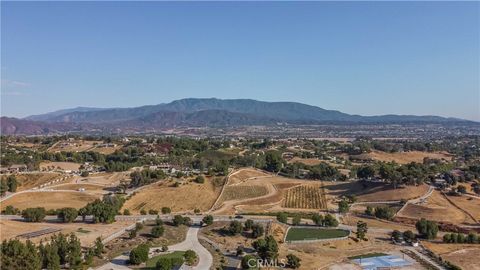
191 242
205 259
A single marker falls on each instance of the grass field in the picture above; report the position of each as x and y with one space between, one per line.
297 234
243 192
436 208
405 157
186 197
368 255
372 191
463 255
306 197
50 200
60 165
31 180
152 262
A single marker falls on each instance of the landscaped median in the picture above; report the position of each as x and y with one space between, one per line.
305 234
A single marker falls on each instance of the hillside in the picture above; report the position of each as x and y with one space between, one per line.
194 112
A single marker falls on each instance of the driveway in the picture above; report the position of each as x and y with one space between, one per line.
205 259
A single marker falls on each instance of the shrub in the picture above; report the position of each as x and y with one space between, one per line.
293 261
282 217
34 214
200 179
157 231
139 254
166 210
190 256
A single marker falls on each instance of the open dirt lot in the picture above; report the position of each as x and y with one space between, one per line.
105 179
436 208
468 204
246 174
463 255
31 180
73 146
66 166
88 188
186 197
370 191
407 157
86 232
50 199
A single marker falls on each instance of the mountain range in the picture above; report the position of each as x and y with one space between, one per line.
196 112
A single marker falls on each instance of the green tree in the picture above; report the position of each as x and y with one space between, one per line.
282 217
74 252
296 220
50 257
343 206
257 230
207 220
139 254
12 183
158 231
266 248
17 255
34 214
67 214
3 187
235 227
249 262
293 261
248 224
166 210
427 229
273 161
330 221
98 250
362 230
317 219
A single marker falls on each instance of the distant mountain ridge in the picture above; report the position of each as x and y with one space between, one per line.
193 112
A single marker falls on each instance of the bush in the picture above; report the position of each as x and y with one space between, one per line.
257 230
343 206
157 231
190 256
200 179
143 212
126 212
384 212
139 254
235 227
84 174
249 262
296 220
153 212
168 263
207 220
293 261
166 210
282 217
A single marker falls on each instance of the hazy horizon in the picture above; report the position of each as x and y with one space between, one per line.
365 58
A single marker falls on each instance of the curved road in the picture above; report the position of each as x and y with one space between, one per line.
205 259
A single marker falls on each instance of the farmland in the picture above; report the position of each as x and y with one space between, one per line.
305 196
65 166
243 192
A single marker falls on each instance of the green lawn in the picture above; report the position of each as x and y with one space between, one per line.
368 255
295 234
153 261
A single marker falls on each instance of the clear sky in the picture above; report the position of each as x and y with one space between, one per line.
357 57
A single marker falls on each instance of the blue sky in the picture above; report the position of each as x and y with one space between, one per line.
357 57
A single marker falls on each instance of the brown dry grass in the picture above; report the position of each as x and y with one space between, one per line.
246 174
89 188
463 255
12 228
31 180
369 191
186 197
407 157
306 161
49 200
468 204
243 192
62 165
436 208
73 146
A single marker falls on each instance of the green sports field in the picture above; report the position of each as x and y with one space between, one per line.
297 234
